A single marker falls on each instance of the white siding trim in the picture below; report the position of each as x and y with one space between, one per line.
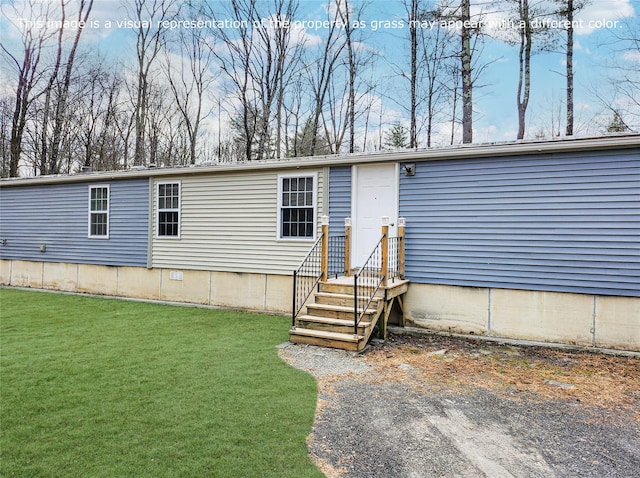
314 176
90 212
157 209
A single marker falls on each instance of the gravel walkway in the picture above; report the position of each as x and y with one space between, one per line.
378 416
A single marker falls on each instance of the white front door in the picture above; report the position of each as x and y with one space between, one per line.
376 195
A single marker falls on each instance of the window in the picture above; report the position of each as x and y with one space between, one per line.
99 211
297 207
168 210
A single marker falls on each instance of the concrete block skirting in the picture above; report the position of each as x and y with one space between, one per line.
575 319
257 292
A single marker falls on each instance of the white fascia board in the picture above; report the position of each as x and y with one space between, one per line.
490 150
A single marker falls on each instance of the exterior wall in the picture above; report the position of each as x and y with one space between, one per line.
617 321
229 223
578 319
249 291
541 247
339 198
556 222
56 216
5 271
94 279
25 273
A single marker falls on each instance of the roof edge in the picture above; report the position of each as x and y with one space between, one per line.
466 151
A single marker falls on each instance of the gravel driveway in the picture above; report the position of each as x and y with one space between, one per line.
435 406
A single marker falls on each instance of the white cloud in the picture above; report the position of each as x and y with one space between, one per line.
298 34
603 15
632 56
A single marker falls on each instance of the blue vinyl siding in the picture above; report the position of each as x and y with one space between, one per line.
339 198
567 223
57 216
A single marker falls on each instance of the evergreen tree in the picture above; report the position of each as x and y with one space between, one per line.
397 137
308 142
617 124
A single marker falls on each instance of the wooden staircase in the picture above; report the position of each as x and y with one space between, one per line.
327 312
329 319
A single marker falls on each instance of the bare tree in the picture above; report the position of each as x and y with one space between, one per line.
168 139
335 116
48 94
413 13
524 64
346 14
257 56
292 117
29 72
98 115
111 144
432 58
532 36
283 52
466 61
189 77
147 15
436 60
321 70
471 40
622 99
5 136
289 58
567 9
50 161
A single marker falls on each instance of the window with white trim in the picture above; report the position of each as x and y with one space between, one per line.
297 206
99 211
168 209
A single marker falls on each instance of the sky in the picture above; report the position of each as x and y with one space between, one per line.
383 34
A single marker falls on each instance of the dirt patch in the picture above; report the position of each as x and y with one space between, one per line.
442 363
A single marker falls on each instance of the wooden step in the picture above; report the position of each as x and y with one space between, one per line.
343 326
345 300
336 288
328 321
342 288
327 339
338 311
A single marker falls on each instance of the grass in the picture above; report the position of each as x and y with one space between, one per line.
97 387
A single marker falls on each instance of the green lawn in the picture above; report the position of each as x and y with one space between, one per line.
102 387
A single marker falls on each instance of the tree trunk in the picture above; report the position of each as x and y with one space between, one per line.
524 58
570 11
46 166
351 108
467 80
149 37
64 92
413 38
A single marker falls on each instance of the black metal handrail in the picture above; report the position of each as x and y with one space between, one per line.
335 261
306 277
394 267
370 277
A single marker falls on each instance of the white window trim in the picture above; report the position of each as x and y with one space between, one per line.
315 207
108 211
179 209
